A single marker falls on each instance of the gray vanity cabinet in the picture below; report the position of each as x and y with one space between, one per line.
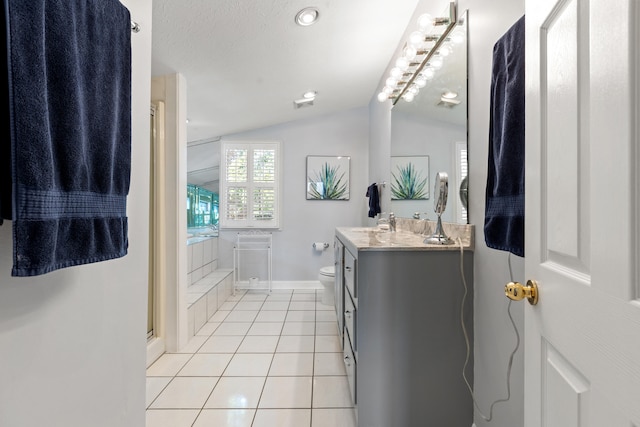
404 346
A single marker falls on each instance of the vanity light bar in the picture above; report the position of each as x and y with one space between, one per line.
397 85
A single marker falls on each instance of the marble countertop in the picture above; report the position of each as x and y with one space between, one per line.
410 238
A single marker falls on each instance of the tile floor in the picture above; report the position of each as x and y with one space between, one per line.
260 361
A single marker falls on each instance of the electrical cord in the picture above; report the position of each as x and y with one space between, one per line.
466 339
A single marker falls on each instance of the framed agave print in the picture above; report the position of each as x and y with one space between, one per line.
328 177
410 178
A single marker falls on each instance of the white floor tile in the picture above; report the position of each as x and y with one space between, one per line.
331 392
299 328
301 316
259 344
208 329
241 316
249 365
251 296
282 418
171 417
205 365
271 316
329 364
302 305
275 305
286 392
326 316
303 297
154 386
219 316
194 344
342 417
228 305
249 305
326 328
221 344
225 418
236 392
263 360
324 307
296 344
232 328
266 328
185 393
279 296
168 365
291 365
327 344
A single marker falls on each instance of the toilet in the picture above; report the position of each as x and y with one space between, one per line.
327 279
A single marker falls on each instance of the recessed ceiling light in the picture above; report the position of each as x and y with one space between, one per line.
449 95
310 95
307 16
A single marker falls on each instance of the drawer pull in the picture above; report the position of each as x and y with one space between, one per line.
347 313
348 268
347 361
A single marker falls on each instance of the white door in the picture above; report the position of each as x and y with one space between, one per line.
582 345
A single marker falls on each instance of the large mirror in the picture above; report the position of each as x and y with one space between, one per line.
429 135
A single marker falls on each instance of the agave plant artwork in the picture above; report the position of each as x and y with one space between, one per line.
409 183
328 182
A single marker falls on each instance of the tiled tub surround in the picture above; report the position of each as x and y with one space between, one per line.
208 287
202 257
206 296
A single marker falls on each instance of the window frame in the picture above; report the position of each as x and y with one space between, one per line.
250 185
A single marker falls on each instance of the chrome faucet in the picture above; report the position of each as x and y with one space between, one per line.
392 222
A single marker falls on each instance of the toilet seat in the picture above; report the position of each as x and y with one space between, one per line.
328 271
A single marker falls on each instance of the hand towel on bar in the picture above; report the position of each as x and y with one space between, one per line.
374 200
504 210
69 96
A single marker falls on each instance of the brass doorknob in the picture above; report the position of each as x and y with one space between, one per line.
517 291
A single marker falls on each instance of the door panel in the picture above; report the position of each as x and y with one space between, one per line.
582 339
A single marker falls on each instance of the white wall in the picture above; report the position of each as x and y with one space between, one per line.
494 336
308 221
73 342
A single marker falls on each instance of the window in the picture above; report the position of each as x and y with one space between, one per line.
250 185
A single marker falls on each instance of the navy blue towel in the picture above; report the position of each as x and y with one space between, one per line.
374 200
504 210
69 98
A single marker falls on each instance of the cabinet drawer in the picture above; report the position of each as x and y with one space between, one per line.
350 365
350 320
350 274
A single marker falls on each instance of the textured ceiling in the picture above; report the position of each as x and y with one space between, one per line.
245 62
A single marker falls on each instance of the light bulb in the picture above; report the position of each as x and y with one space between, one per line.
402 63
391 82
436 61
410 52
408 96
382 97
420 81
416 39
428 73
444 50
425 23
413 89
457 36
396 73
